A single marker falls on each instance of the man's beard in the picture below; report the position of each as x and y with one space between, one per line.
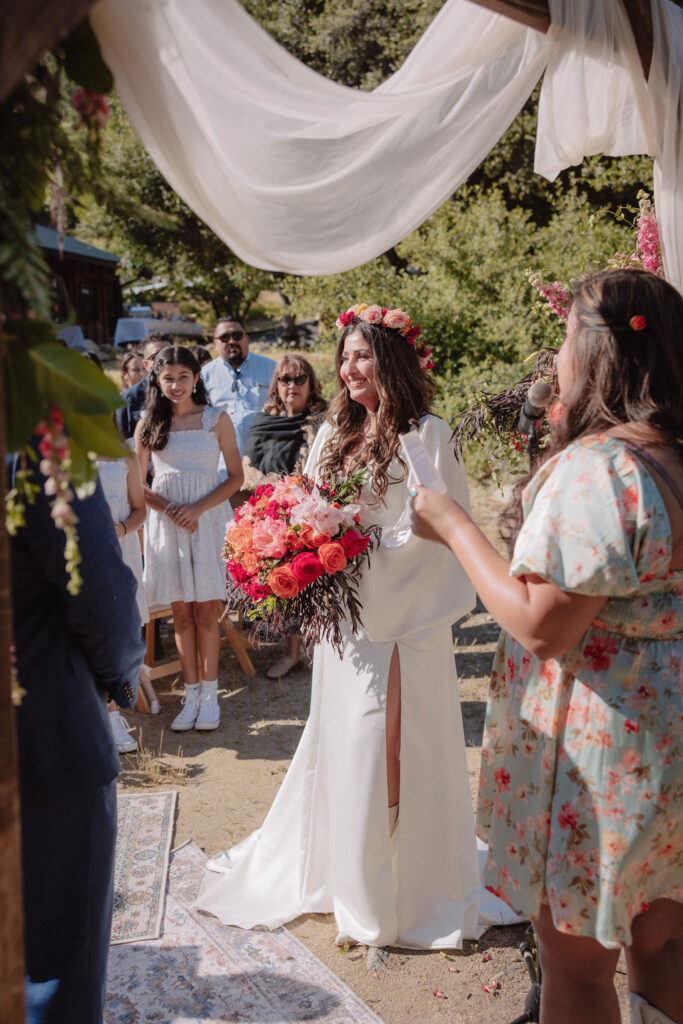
234 356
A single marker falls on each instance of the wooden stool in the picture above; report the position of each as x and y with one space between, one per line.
233 637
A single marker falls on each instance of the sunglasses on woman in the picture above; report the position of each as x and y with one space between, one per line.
300 379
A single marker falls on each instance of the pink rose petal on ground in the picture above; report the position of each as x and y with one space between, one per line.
439 995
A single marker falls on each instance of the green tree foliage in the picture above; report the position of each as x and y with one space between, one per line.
140 218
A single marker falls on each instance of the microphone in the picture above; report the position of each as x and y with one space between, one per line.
537 401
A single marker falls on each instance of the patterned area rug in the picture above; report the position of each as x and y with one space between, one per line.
203 972
143 843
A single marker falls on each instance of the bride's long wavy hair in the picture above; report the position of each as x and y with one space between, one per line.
621 373
404 395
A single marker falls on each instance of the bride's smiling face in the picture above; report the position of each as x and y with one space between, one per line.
357 370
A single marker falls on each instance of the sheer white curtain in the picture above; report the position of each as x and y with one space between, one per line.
595 99
297 173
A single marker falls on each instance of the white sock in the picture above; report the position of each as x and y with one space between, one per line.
192 686
209 685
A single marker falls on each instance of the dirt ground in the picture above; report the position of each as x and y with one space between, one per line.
227 779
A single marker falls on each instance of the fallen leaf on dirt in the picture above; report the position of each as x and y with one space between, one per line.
454 970
492 988
439 995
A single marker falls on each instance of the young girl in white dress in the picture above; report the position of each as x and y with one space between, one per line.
185 528
373 821
122 486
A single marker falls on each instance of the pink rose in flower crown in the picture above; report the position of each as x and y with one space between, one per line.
353 543
372 315
307 567
397 319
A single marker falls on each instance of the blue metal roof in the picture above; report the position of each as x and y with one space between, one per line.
47 239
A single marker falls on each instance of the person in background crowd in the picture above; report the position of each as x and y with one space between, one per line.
70 650
201 354
128 416
188 511
581 795
132 369
237 380
279 441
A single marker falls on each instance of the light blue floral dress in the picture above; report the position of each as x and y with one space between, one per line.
581 786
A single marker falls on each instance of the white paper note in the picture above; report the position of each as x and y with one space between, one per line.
420 463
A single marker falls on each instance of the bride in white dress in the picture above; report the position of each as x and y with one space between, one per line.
374 821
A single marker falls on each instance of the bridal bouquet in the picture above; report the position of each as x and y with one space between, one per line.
294 555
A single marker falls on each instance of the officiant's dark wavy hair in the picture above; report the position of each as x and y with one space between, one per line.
158 410
404 394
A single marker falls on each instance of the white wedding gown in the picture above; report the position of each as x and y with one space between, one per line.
325 843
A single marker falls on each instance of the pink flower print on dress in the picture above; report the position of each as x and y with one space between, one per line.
568 817
599 653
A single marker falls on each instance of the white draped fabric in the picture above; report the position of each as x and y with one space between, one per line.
297 173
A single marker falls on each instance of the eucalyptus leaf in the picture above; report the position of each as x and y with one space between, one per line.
23 408
69 380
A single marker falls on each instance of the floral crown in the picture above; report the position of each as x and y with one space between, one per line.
396 320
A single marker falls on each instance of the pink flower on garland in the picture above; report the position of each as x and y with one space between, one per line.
648 238
555 294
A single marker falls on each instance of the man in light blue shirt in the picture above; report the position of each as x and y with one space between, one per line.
237 380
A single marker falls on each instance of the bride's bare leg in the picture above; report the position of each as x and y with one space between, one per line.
394 729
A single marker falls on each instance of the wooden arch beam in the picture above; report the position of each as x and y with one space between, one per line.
536 14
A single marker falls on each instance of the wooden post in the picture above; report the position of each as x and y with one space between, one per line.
11 903
28 30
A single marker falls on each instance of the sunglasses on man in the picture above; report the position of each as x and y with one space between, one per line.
235 335
299 380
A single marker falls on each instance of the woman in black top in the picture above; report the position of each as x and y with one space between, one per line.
279 440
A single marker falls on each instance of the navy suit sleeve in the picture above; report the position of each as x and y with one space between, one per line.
103 617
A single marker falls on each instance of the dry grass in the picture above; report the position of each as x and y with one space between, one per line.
148 768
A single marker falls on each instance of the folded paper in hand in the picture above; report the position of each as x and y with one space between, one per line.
420 463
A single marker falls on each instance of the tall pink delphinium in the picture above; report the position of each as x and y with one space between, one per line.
648 237
555 294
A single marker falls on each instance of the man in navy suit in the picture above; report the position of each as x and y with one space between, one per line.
127 417
70 651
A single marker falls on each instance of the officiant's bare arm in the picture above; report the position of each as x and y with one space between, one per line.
544 619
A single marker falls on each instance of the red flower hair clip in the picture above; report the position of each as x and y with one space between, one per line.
637 323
